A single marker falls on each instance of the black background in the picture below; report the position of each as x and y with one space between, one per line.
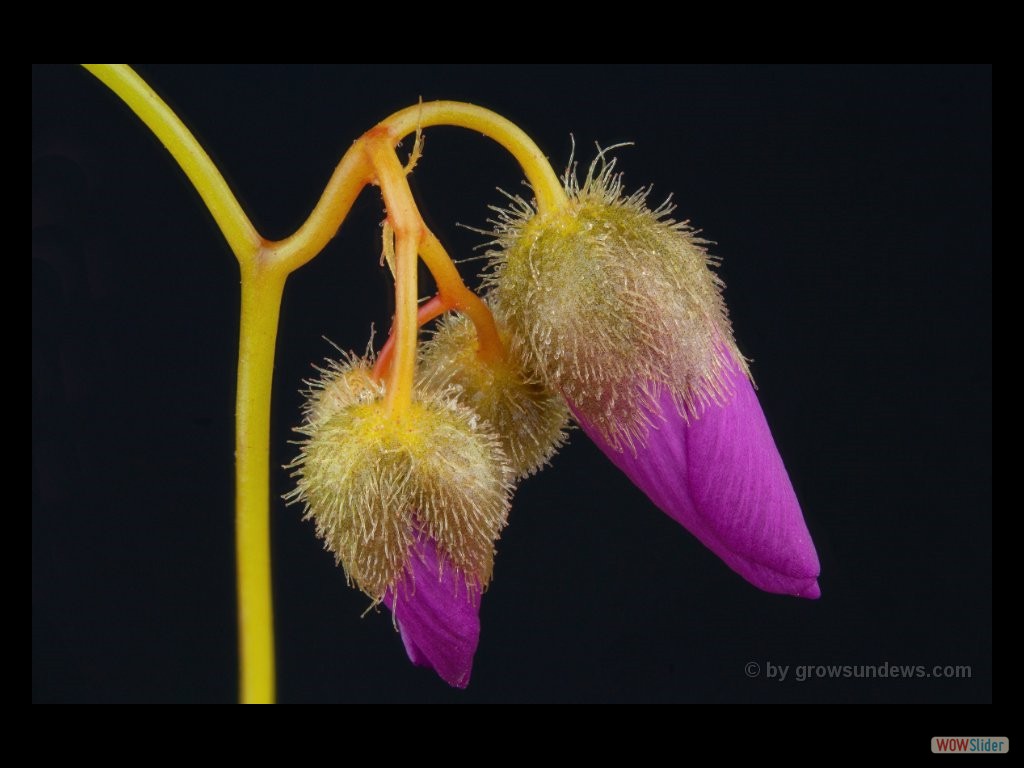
853 209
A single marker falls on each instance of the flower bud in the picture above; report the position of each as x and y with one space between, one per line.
374 482
612 304
615 306
528 418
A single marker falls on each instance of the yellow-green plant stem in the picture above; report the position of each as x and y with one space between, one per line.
262 286
262 289
242 237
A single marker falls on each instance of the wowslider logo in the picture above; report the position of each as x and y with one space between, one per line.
978 745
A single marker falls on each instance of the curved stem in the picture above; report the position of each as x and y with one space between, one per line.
242 237
545 183
457 296
354 171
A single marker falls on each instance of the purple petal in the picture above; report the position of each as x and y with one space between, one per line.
721 477
437 615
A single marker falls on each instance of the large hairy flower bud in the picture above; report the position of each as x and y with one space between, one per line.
612 304
615 306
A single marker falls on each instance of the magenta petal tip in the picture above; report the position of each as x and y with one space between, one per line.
812 592
721 477
437 615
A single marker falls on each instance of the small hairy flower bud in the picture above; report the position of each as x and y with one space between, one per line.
373 483
613 304
528 418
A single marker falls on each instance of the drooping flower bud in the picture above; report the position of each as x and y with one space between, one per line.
612 303
616 307
374 483
528 418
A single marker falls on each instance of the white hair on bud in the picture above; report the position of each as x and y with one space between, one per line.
528 418
612 303
373 482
